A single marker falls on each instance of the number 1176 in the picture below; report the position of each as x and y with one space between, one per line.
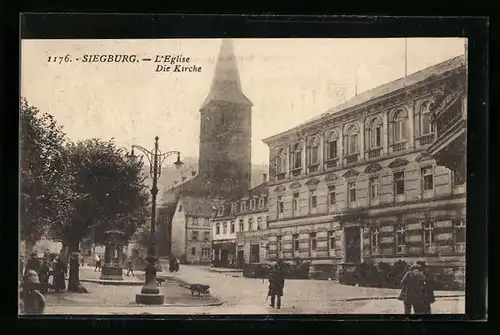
59 59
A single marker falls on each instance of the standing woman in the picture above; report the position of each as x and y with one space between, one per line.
59 272
276 284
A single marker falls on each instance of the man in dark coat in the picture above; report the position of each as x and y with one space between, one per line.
413 290
33 263
428 288
276 284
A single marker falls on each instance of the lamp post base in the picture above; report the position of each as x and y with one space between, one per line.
149 299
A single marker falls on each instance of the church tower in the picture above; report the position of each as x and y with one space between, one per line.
226 131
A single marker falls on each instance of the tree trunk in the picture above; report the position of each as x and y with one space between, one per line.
28 248
74 284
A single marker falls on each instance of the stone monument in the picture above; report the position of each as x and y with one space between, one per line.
112 268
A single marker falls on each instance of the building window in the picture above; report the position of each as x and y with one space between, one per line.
427 179
331 240
375 131
312 241
351 186
261 203
195 221
375 239
425 115
250 224
297 156
459 232
193 251
331 195
281 161
180 208
242 225
428 232
296 242
259 223
252 204
400 239
221 211
243 206
233 209
352 140
374 184
280 205
232 227
313 198
205 252
194 236
207 222
217 229
313 150
331 145
295 204
400 126
399 183
224 228
206 236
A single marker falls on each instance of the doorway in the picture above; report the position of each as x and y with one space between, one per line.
353 244
224 258
254 253
240 260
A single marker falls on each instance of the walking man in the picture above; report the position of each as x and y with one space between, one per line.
97 263
130 267
413 291
429 297
276 284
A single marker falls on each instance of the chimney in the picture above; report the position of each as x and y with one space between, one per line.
264 177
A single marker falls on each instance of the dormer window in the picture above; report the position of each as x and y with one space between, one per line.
252 204
221 211
233 209
261 203
243 206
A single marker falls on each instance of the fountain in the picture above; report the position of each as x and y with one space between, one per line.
112 268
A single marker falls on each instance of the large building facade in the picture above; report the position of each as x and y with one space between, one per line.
239 228
191 231
357 183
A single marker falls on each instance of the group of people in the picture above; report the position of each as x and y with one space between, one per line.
46 268
417 290
174 264
34 281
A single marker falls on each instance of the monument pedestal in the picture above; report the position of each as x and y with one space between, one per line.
111 272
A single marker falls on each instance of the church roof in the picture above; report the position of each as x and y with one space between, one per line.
199 206
226 85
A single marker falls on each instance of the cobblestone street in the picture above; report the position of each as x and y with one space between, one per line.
248 296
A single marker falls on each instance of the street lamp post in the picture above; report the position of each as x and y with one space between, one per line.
150 294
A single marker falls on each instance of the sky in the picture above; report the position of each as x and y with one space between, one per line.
289 81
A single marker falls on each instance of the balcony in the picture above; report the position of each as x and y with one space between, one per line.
331 163
426 139
296 172
351 159
374 153
399 147
313 168
281 176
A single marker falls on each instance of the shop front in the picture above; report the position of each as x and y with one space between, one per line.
224 253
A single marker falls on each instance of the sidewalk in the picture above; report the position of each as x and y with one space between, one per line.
441 306
223 270
88 275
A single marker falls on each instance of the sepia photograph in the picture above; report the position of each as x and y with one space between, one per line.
247 176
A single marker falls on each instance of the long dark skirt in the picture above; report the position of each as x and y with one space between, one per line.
59 281
275 291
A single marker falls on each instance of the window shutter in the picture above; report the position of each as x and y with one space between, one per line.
390 133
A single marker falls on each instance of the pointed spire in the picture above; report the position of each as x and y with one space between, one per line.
226 85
